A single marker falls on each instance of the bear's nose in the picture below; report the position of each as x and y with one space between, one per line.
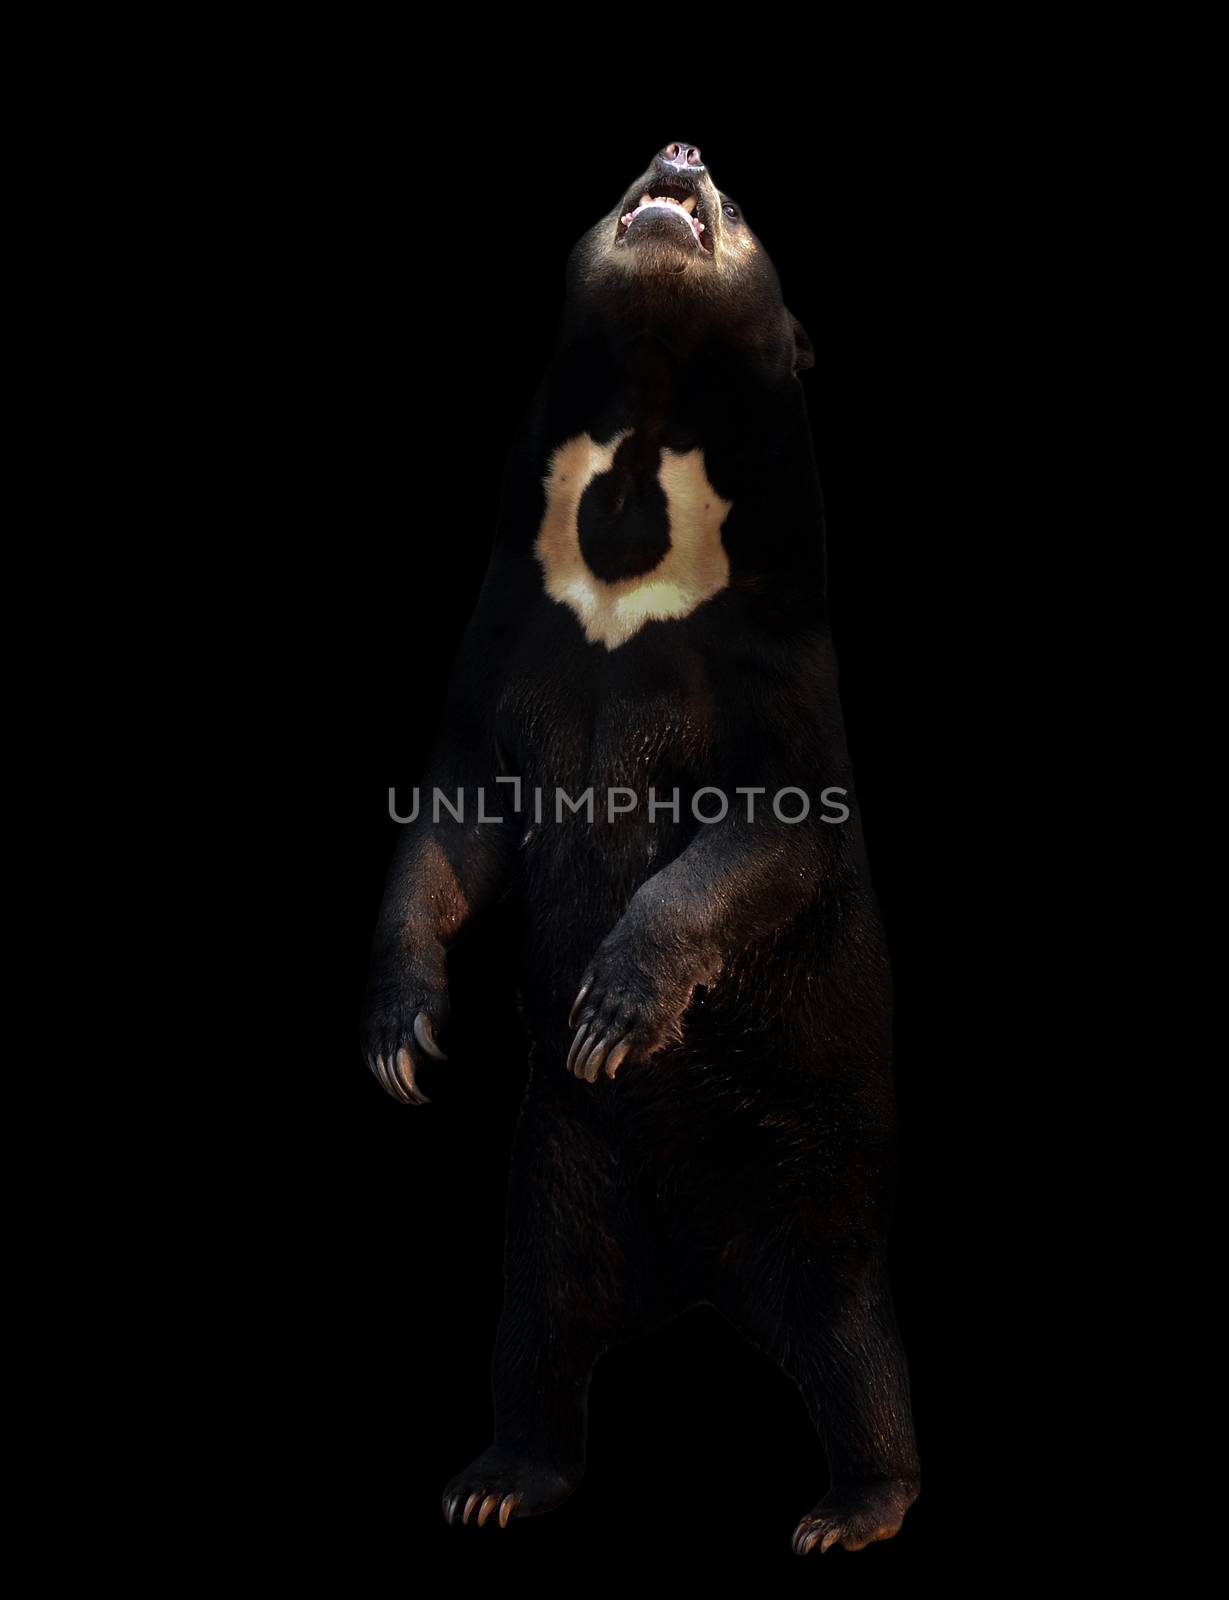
681 155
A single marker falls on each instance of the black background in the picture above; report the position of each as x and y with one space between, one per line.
398 330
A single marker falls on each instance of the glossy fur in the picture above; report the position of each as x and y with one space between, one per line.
709 1114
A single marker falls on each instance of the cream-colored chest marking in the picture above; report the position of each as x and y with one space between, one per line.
693 569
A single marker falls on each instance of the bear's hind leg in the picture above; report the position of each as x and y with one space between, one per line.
568 1295
836 1336
850 1366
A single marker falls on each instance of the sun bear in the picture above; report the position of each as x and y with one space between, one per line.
643 745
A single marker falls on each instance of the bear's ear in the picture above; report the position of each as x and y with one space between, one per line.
804 350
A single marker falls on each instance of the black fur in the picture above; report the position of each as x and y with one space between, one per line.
735 973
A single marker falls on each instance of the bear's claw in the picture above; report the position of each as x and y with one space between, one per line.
855 1517
486 1503
426 1037
594 1045
611 1024
631 1002
501 1485
405 1008
395 1073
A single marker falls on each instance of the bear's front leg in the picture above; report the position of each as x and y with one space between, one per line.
734 883
444 872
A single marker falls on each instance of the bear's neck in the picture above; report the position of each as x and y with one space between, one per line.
731 420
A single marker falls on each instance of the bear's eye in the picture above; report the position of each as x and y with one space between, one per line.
730 211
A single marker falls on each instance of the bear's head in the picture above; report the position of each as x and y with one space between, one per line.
676 257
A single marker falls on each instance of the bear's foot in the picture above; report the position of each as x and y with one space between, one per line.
856 1515
501 1484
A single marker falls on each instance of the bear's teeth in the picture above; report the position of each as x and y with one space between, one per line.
688 206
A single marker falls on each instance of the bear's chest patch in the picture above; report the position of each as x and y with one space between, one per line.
621 547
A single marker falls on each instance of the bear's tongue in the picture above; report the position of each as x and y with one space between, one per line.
651 207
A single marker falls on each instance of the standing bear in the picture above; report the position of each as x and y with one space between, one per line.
649 671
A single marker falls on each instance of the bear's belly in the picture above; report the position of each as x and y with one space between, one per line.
606 802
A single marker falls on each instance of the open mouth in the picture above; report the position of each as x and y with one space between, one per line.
683 206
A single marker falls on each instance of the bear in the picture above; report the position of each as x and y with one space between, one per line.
642 749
